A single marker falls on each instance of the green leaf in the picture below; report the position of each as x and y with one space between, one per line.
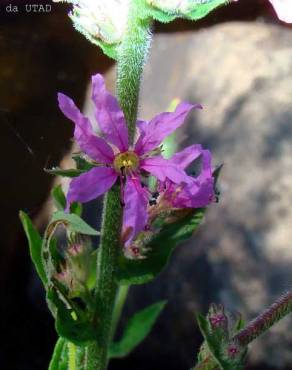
67 356
70 322
57 171
74 222
35 245
82 166
137 329
140 271
59 359
76 208
59 197
81 163
60 201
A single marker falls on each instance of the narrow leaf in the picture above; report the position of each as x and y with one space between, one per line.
76 208
59 197
137 329
58 355
35 245
82 164
74 222
57 171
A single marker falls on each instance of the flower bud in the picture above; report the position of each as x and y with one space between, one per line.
138 248
103 20
234 351
217 317
65 277
76 271
79 261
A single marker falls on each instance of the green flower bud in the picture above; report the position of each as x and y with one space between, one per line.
100 20
75 273
79 261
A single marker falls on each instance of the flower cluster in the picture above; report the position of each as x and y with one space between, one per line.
114 158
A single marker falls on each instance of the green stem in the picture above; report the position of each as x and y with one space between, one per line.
106 288
119 304
132 55
131 58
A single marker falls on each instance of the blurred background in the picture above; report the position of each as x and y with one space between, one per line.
238 64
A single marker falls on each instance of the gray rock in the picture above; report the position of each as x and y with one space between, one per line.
242 256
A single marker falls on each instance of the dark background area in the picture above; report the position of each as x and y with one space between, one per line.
42 54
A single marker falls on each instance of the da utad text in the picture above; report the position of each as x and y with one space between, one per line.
28 8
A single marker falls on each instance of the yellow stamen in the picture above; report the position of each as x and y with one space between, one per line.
126 162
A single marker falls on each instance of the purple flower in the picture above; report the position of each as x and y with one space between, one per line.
116 159
173 201
198 192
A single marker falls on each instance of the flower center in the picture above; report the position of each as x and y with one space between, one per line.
126 162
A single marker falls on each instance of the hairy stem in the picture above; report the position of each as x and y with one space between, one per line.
106 288
277 311
131 58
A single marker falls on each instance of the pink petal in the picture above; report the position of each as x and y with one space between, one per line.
135 211
109 115
199 192
283 9
164 168
161 126
91 185
89 143
195 195
187 155
141 125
